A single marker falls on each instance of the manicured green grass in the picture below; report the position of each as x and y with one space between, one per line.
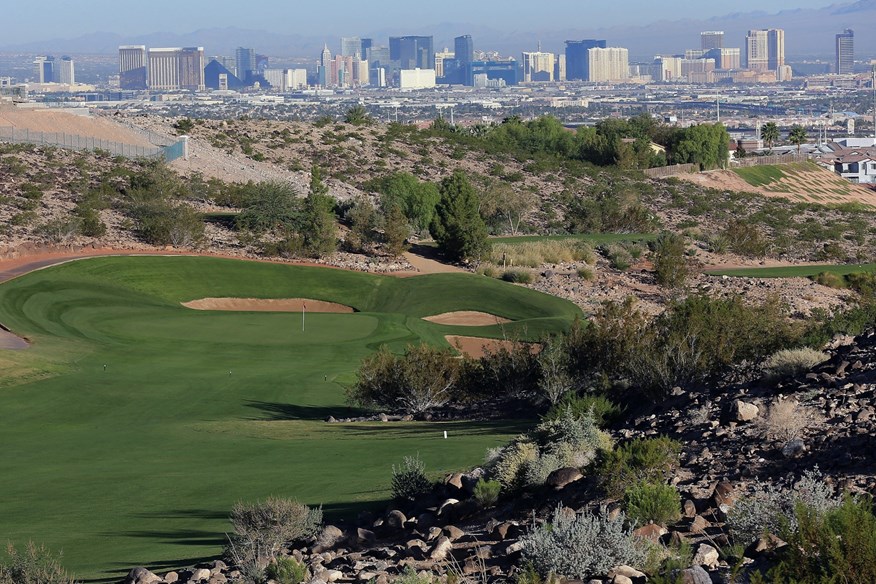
795 271
133 424
759 176
595 238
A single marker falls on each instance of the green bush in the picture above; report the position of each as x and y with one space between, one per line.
581 545
603 410
34 565
411 576
641 460
652 502
409 480
486 492
837 545
518 276
286 571
162 223
618 257
792 362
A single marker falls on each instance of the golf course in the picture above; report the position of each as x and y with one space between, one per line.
132 423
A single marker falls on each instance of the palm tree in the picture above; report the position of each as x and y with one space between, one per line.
770 134
358 116
797 136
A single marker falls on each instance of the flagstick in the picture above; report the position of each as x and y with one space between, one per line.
303 309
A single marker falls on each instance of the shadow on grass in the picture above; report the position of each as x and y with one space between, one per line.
278 412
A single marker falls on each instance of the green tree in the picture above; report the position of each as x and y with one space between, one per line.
458 227
770 134
416 199
395 230
318 230
502 201
358 116
703 144
797 136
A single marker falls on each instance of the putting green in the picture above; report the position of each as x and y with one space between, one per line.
133 424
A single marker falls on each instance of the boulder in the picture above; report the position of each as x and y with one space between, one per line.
454 480
794 448
694 575
217 579
171 578
328 537
453 533
562 477
707 556
744 412
627 571
506 530
395 519
441 549
651 531
365 537
447 506
200 575
699 524
621 579
218 566
141 575
689 508
514 548
425 521
724 496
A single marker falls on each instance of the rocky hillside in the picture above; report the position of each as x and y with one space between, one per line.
739 437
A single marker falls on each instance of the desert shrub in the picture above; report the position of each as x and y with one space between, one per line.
33 565
60 230
657 502
863 283
411 576
785 419
792 362
670 264
587 274
600 407
745 238
567 440
488 270
640 460
163 223
268 207
421 379
581 545
261 529
286 571
554 380
507 467
618 256
509 372
409 479
830 280
770 509
833 545
90 224
517 276
486 492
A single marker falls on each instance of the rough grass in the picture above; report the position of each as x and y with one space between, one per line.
532 254
795 271
141 463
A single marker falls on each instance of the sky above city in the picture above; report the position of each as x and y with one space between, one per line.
50 19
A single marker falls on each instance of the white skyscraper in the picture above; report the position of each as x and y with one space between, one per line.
609 64
66 71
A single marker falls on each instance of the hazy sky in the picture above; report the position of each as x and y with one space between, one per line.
36 20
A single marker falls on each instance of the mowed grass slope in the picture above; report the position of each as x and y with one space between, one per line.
806 271
140 462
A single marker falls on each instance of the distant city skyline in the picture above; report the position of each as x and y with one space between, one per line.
51 19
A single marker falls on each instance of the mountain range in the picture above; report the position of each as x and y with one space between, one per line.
808 33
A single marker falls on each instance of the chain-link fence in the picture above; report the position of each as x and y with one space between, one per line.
90 143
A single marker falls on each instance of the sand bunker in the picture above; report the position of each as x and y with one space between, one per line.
467 318
11 342
267 305
476 347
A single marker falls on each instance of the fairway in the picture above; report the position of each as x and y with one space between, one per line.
132 424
